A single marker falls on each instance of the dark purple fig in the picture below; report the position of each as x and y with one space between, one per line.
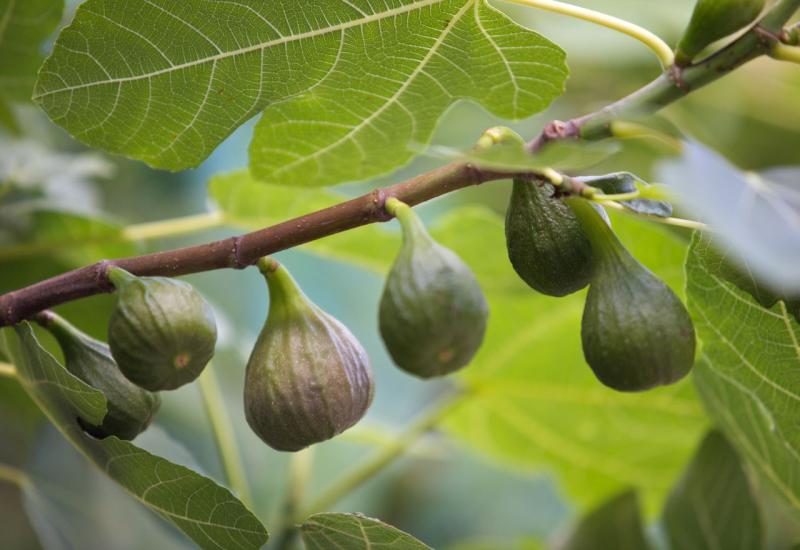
308 378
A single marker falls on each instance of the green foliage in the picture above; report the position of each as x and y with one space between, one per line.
712 506
748 374
342 82
24 25
537 404
513 155
204 511
76 239
355 532
615 524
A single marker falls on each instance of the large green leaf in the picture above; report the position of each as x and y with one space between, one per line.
75 239
24 24
615 524
713 506
346 84
749 375
207 513
355 532
537 404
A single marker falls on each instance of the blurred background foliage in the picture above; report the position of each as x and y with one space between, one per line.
540 443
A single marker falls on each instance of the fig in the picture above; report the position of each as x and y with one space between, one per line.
308 378
636 333
713 20
433 313
131 409
546 243
162 332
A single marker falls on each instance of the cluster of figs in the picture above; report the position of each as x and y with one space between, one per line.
308 378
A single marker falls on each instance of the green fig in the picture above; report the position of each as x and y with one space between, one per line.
308 378
130 408
713 20
162 332
546 244
432 313
636 333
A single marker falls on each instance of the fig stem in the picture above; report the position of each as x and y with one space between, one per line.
675 222
656 44
383 457
7 370
119 277
412 226
13 475
224 436
782 52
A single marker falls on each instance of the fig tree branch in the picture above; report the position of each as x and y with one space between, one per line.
245 250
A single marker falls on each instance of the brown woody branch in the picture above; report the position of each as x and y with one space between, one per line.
245 250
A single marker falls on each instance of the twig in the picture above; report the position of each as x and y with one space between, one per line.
240 252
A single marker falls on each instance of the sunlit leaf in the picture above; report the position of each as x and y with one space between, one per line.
207 513
749 375
512 156
713 506
355 532
346 84
75 239
24 25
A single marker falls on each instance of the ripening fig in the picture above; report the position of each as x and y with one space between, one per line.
546 243
713 20
130 408
162 332
308 378
433 312
636 333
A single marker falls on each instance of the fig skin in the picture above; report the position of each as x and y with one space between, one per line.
546 243
131 409
636 333
162 332
433 313
713 20
308 378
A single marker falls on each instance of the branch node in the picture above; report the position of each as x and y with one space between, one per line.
378 199
100 270
235 261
